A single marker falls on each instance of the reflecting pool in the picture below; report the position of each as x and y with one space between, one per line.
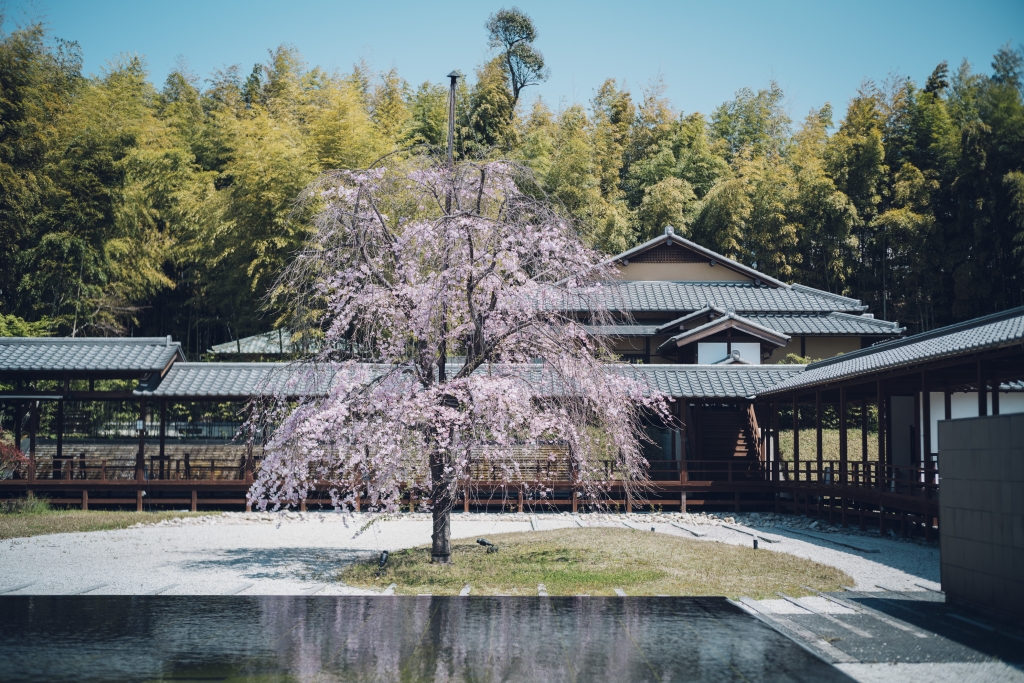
474 639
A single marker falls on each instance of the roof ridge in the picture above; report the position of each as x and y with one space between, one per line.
156 341
828 295
871 321
923 336
696 366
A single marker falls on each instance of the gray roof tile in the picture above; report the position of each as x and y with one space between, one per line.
659 296
714 381
198 381
831 324
989 332
91 355
273 342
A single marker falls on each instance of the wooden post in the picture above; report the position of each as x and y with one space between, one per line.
163 439
926 422
140 457
776 452
685 434
796 434
195 501
138 500
575 503
465 501
843 446
302 505
881 424
60 439
520 500
817 426
85 499
982 389
682 501
947 400
864 430
995 394
33 424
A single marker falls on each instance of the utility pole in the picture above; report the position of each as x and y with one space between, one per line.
454 76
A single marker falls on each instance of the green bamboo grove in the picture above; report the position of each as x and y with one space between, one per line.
128 208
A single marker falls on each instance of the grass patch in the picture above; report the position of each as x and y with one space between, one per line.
595 562
34 517
829 444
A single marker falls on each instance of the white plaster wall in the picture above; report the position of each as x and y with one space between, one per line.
965 404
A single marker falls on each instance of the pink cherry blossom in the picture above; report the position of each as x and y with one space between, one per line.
444 309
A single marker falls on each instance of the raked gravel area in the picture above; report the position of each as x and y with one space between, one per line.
298 553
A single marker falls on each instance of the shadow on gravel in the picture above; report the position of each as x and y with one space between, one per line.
315 564
970 636
896 560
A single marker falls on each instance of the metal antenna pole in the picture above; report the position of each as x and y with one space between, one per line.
454 76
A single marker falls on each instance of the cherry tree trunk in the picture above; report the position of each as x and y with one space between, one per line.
441 496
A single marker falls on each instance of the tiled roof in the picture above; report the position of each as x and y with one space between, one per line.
831 324
198 381
986 333
89 355
714 381
671 238
237 380
623 330
728 320
660 296
273 342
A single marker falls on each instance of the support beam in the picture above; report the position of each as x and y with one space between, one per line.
982 390
140 457
33 426
776 452
163 439
926 420
948 404
995 393
864 429
817 426
796 434
685 435
880 398
843 450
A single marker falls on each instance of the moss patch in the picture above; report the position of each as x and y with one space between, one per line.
595 562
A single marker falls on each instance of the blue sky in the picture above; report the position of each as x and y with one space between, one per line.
818 52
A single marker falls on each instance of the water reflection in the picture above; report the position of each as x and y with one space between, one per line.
158 638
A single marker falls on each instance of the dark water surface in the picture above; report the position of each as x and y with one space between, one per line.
475 639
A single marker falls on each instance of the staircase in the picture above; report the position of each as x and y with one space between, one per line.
726 436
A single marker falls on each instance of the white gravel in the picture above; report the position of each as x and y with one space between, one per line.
296 553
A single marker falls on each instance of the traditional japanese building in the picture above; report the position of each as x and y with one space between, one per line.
685 304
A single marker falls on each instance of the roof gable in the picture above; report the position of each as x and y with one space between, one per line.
671 248
728 321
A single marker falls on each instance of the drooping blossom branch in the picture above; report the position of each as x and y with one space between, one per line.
452 341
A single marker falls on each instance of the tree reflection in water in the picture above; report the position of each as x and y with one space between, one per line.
93 638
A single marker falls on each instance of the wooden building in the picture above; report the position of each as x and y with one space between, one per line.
683 303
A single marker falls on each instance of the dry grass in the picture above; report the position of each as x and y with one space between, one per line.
595 562
39 522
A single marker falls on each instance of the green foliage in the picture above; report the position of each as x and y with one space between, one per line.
127 209
13 326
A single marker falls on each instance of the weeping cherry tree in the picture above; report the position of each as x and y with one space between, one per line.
449 312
